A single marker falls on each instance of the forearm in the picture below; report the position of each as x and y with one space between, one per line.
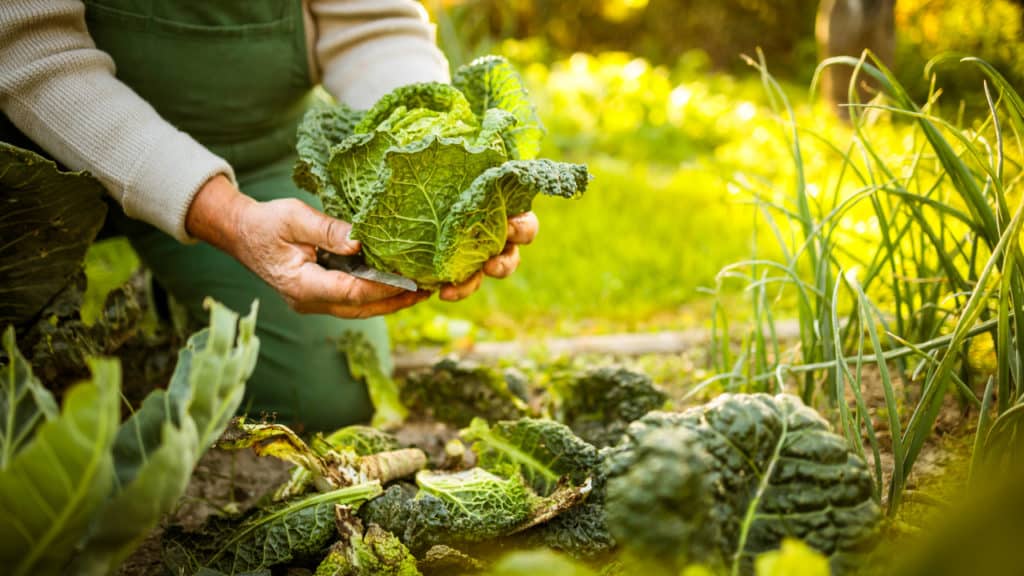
59 90
214 215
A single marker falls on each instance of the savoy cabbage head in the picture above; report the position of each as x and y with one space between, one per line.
430 174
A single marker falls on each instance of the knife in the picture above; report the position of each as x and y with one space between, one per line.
355 264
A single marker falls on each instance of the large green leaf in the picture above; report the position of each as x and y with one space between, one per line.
475 228
212 370
24 402
132 512
48 220
541 451
266 537
492 82
400 228
354 170
321 127
156 449
56 483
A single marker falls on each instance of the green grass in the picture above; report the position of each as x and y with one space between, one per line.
636 246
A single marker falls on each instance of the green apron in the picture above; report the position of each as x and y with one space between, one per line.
234 75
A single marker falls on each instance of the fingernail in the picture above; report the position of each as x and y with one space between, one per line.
348 235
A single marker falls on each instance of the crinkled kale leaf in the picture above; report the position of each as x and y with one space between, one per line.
430 174
766 467
599 403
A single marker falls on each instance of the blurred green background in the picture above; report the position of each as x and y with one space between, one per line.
654 96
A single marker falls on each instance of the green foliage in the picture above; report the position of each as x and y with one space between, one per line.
542 452
25 404
50 219
427 183
54 486
84 491
465 508
363 440
109 265
770 467
491 82
480 505
322 126
364 364
264 537
456 392
374 553
990 30
657 508
599 404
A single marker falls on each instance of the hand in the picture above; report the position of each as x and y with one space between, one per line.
522 228
278 239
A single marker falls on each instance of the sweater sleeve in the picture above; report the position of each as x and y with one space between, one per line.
363 49
60 90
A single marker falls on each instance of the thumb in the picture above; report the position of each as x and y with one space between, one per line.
310 226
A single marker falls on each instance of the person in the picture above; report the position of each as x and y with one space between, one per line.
186 111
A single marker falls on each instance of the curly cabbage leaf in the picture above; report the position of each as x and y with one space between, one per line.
542 452
492 82
429 176
467 507
264 537
323 124
658 506
773 470
363 440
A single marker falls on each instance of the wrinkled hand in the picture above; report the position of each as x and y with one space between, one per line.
522 228
278 239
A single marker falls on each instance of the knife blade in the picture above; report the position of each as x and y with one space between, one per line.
355 264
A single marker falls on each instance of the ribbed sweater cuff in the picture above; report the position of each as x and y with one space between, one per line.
168 178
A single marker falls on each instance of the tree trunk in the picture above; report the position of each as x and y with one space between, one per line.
847 28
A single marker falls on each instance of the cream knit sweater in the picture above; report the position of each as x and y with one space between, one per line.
60 90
